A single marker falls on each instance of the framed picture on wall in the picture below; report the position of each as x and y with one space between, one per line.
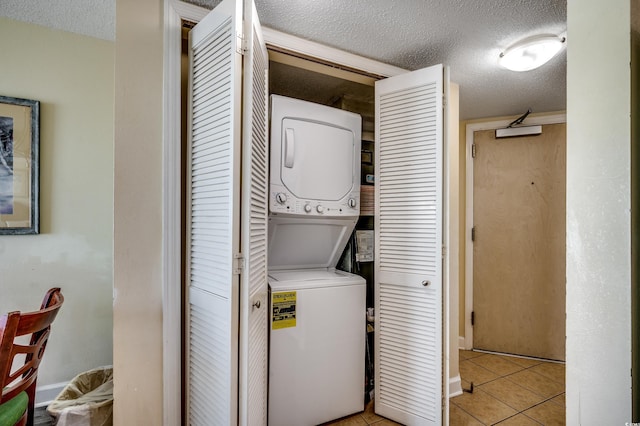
19 166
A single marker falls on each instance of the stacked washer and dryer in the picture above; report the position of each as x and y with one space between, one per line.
317 319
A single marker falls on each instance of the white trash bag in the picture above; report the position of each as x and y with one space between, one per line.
86 401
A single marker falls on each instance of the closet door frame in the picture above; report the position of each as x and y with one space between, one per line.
175 13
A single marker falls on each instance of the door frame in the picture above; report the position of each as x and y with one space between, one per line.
175 12
471 128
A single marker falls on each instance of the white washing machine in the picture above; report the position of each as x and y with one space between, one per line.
316 364
317 326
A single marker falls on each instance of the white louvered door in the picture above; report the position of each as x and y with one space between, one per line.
408 229
213 217
253 294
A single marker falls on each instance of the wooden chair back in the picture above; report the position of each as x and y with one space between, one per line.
19 361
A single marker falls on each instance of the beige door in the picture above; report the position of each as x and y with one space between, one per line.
519 243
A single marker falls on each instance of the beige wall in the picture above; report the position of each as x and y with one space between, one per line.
137 308
72 77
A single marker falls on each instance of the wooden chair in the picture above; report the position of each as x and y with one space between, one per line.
19 361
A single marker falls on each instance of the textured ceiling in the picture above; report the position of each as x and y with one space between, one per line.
465 35
95 18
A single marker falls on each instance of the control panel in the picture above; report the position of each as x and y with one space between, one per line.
281 202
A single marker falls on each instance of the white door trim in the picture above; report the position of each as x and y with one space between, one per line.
171 216
328 54
175 12
468 286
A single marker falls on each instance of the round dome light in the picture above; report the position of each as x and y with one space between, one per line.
531 53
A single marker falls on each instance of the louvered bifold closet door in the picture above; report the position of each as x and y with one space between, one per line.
408 228
213 218
254 304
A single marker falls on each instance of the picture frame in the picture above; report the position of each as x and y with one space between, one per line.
19 166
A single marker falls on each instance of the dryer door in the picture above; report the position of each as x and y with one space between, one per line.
317 159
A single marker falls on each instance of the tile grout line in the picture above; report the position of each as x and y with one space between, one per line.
507 355
515 415
516 372
468 413
518 412
547 398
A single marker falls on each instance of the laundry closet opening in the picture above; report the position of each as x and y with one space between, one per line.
295 76
228 311
307 79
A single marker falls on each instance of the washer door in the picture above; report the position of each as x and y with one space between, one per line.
302 243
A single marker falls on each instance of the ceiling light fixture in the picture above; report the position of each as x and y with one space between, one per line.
531 52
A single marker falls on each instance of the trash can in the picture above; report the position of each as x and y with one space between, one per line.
86 401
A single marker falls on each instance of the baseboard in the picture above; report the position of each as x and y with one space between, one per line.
461 342
47 393
455 386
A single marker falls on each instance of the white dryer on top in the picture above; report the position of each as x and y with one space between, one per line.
314 187
315 160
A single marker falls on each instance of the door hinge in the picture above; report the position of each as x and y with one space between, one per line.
238 263
444 251
444 101
473 317
473 234
241 44
473 150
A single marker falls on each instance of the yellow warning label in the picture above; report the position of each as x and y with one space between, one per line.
283 309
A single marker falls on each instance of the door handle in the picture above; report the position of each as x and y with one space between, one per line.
289 147
256 305
426 283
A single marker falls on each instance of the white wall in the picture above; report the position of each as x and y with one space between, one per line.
138 233
598 213
72 77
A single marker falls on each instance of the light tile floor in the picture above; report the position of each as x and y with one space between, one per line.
367 417
508 391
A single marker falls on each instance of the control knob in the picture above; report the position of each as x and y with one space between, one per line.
352 203
307 208
281 197
320 208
